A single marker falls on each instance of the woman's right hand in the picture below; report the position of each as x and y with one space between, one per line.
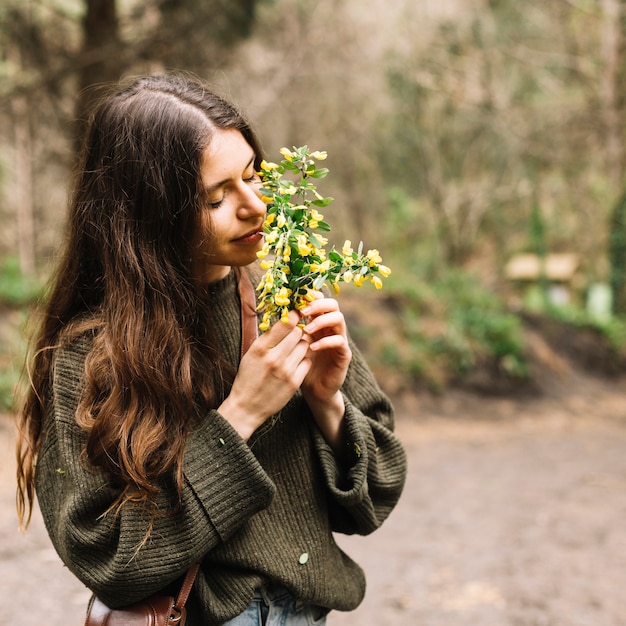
269 374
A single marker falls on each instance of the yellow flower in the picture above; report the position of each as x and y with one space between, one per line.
287 154
269 220
285 315
373 257
335 286
281 221
267 199
384 270
282 297
320 268
347 248
288 191
304 247
377 282
264 251
268 166
348 276
265 322
315 219
359 279
319 155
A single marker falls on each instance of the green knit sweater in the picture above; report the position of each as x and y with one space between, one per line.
257 512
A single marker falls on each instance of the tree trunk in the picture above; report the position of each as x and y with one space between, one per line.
614 80
23 181
101 53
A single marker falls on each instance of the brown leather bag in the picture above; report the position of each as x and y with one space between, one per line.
153 611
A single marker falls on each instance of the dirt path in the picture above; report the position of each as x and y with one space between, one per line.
513 515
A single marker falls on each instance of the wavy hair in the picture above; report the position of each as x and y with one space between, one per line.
126 277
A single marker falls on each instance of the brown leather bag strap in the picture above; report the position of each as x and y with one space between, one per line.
247 298
185 589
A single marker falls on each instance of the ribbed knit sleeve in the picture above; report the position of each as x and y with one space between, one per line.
366 488
224 486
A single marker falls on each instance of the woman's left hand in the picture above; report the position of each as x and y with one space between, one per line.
330 356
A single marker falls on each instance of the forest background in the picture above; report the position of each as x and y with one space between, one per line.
460 134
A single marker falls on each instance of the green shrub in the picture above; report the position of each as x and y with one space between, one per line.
16 288
449 326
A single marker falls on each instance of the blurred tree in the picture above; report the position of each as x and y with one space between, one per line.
100 61
54 56
613 85
497 104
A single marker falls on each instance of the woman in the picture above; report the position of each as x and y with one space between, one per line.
150 441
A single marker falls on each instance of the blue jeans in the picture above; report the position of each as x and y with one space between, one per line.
277 607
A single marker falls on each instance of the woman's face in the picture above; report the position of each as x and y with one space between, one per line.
230 229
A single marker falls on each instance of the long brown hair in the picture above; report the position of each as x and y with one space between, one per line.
126 277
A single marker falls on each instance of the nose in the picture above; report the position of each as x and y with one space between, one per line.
251 203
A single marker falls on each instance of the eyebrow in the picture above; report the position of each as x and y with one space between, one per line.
209 190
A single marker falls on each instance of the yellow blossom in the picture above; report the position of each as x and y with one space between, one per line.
268 166
264 251
285 315
287 154
347 276
347 248
282 297
359 279
267 265
315 219
320 268
384 270
269 219
281 220
304 247
377 282
319 155
271 237
373 257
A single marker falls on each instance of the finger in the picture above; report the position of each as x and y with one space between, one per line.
320 306
332 342
280 330
333 321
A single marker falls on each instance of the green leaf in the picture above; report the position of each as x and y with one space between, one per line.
322 202
320 173
314 240
318 283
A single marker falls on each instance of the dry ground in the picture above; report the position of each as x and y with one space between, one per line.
513 515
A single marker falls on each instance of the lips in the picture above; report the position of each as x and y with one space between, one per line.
254 236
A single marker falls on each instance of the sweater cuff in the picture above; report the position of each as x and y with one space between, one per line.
346 478
226 477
